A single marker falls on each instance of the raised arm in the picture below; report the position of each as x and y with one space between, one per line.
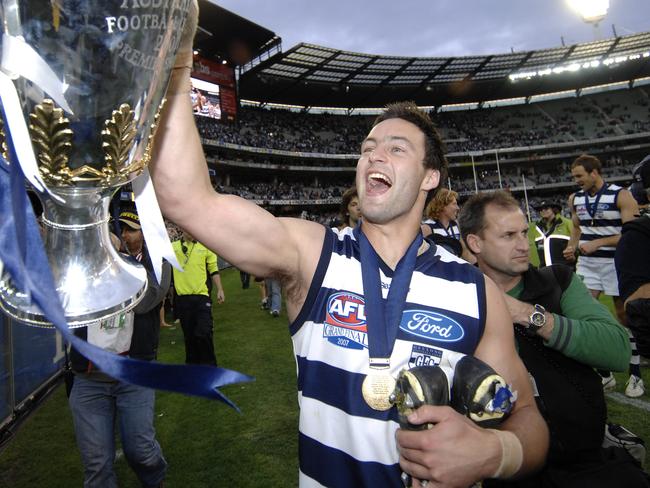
244 234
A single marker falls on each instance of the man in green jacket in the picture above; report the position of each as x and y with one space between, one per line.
562 332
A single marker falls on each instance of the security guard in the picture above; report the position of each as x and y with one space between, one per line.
549 235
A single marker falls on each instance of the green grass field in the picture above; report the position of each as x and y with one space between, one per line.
206 443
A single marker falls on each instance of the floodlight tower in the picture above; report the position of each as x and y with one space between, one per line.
591 11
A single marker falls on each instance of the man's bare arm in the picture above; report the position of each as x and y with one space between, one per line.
244 234
641 292
627 205
216 281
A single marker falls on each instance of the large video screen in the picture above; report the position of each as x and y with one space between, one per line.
214 91
205 99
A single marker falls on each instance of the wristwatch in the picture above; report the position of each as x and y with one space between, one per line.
537 319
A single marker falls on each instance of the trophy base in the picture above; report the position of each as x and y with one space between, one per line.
92 280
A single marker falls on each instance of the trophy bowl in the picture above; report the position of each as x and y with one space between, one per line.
90 76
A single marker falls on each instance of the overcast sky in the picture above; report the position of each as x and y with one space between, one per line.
436 27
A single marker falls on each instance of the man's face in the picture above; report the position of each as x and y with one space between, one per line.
547 213
451 210
354 210
390 172
586 181
503 245
132 238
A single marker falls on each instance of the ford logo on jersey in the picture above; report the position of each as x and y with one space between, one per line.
431 325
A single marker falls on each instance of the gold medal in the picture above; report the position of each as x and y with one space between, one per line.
377 388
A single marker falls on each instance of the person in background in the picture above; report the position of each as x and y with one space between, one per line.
350 212
273 289
245 279
440 225
550 234
99 403
441 213
598 211
633 267
192 303
562 333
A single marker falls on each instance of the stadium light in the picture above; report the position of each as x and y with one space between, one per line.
591 11
577 66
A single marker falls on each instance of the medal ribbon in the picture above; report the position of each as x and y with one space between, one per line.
384 316
592 208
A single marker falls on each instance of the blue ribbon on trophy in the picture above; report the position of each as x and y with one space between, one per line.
76 203
22 253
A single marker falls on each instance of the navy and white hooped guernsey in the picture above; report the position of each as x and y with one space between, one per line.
343 442
436 227
605 221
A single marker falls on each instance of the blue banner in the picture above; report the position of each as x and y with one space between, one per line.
6 403
37 355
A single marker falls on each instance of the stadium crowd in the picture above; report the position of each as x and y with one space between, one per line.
567 120
282 191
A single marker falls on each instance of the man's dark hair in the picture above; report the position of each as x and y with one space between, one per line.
588 162
471 219
348 195
434 148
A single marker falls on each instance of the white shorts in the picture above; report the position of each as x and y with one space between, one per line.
598 274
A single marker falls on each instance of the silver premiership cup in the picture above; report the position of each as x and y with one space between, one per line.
90 77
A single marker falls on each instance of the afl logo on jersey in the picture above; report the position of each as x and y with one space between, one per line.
346 309
431 325
345 321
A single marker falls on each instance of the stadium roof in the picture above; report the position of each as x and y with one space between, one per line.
311 75
225 35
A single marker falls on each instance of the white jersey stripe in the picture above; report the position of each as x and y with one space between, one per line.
332 426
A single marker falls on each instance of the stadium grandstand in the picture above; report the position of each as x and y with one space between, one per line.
513 120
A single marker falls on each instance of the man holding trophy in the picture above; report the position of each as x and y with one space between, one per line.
99 62
348 428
